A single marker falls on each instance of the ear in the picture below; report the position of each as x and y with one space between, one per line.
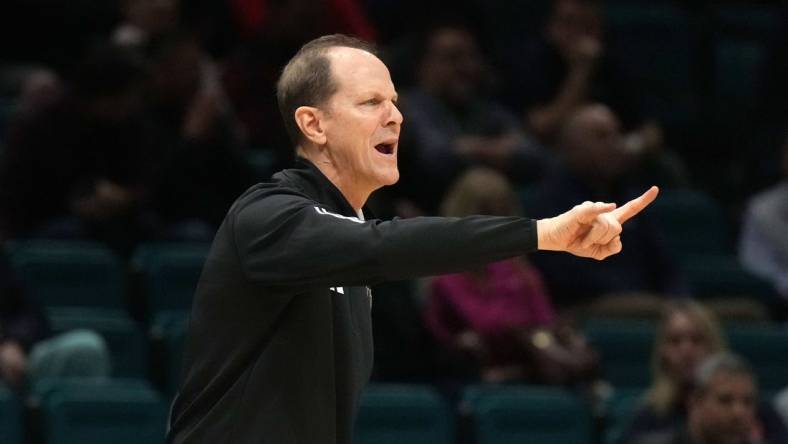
308 119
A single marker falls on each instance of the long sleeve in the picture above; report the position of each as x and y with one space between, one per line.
287 240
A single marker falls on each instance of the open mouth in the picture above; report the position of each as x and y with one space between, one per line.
385 148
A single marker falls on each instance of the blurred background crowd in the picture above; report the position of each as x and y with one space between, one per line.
128 127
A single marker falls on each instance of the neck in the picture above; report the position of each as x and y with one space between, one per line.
355 192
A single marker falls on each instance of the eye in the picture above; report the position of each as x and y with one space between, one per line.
372 102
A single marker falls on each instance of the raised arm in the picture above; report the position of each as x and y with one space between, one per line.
591 229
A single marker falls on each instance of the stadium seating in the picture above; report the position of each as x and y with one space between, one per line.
168 335
527 415
625 348
619 411
396 414
126 341
722 275
169 273
10 417
109 411
692 221
766 348
70 274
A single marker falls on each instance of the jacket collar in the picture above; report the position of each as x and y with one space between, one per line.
311 181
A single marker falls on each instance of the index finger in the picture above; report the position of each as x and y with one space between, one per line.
635 206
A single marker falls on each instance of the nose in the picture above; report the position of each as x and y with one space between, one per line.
394 115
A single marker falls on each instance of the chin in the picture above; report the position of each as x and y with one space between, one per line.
388 177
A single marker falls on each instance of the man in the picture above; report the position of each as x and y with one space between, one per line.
721 408
454 124
593 165
280 345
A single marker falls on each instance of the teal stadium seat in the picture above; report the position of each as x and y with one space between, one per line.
692 223
10 417
620 411
168 334
624 347
127 343
169 272
766 348
397 414
527 415
722 276
109 411
70 274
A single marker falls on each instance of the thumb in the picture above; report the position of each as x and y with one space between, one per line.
588 211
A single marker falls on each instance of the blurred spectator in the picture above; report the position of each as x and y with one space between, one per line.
501 315
594 166
568 67
273 32
79 167
452 122
143 20
201 167
721 407
769 122
688 333
764 239
28 353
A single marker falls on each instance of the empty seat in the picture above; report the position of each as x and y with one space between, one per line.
527 415
70 274
692 222
625 349
10 417
722 275
168 333
109 411
396 414
766 349
126 341
169 274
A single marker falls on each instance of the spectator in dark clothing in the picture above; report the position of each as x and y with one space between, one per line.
453 123
29 353
567 67
200 164
144 20
688 333
272 31
595 167
79 168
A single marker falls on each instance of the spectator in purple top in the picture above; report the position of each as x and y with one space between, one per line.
501 313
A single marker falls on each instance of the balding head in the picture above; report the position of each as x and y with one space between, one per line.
592 144
307 78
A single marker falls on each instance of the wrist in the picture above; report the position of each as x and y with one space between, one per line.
543 241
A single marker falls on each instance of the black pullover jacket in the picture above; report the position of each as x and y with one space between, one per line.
280 339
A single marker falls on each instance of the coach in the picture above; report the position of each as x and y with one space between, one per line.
280 342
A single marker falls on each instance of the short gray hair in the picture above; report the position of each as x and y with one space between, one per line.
719 363
306 80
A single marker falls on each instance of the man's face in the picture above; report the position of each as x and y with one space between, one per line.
361 120
453 65
598 144
725 412
573 20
